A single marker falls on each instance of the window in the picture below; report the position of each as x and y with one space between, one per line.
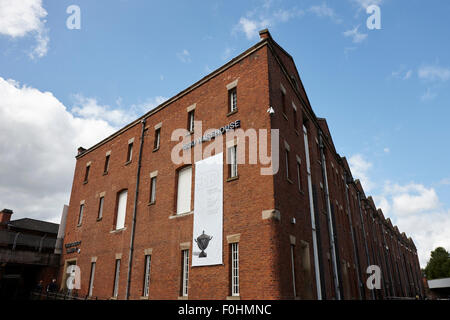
100 208
157 139
184 190
234 269
91 278
116 279
295 119
80 216
185 273
287 164
283 101
121 209
293 268
105 170
130 152
232 163
191 121
232 94
86 173
153 190
148 260
299 176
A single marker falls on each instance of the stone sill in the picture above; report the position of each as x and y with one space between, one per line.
232 112
175 216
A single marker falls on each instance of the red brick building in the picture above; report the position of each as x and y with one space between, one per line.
306 232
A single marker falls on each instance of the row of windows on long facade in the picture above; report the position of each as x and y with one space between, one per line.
184 271
183 198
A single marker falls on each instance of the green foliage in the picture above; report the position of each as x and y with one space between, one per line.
439 264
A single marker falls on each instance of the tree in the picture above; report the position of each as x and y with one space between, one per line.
439 264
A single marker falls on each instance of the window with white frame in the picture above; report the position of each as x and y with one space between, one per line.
116 279
185 273
121 209
80 215
234 269
232 94
100 207
157 139
148 260
191 119
130 152
232 162
184 190
152 189
91 279
86 173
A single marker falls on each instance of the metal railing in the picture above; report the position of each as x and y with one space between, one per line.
14 240
36 295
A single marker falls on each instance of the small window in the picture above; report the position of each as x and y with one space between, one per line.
80 215
299 176
153 190
100 208
121 209
157 139
232 97
86 173
191 119
287 164
105 170
116 279
185 272
283 102
147 266
130 152
232 163
234 269
91 279
295 118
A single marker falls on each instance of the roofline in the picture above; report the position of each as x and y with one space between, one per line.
181 94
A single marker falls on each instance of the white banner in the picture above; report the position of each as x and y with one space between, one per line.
208 212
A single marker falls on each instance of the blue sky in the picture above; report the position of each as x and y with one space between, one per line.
385 93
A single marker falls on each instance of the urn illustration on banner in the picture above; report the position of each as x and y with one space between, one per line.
202 243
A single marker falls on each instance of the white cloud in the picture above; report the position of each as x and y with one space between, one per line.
88 108
39 138
363 4
411 198
428 95
360 168
324 10
417 211
407 75
251 27
434 73
20 18
264 17
184 56
227 53
357 37
38 142
386 150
